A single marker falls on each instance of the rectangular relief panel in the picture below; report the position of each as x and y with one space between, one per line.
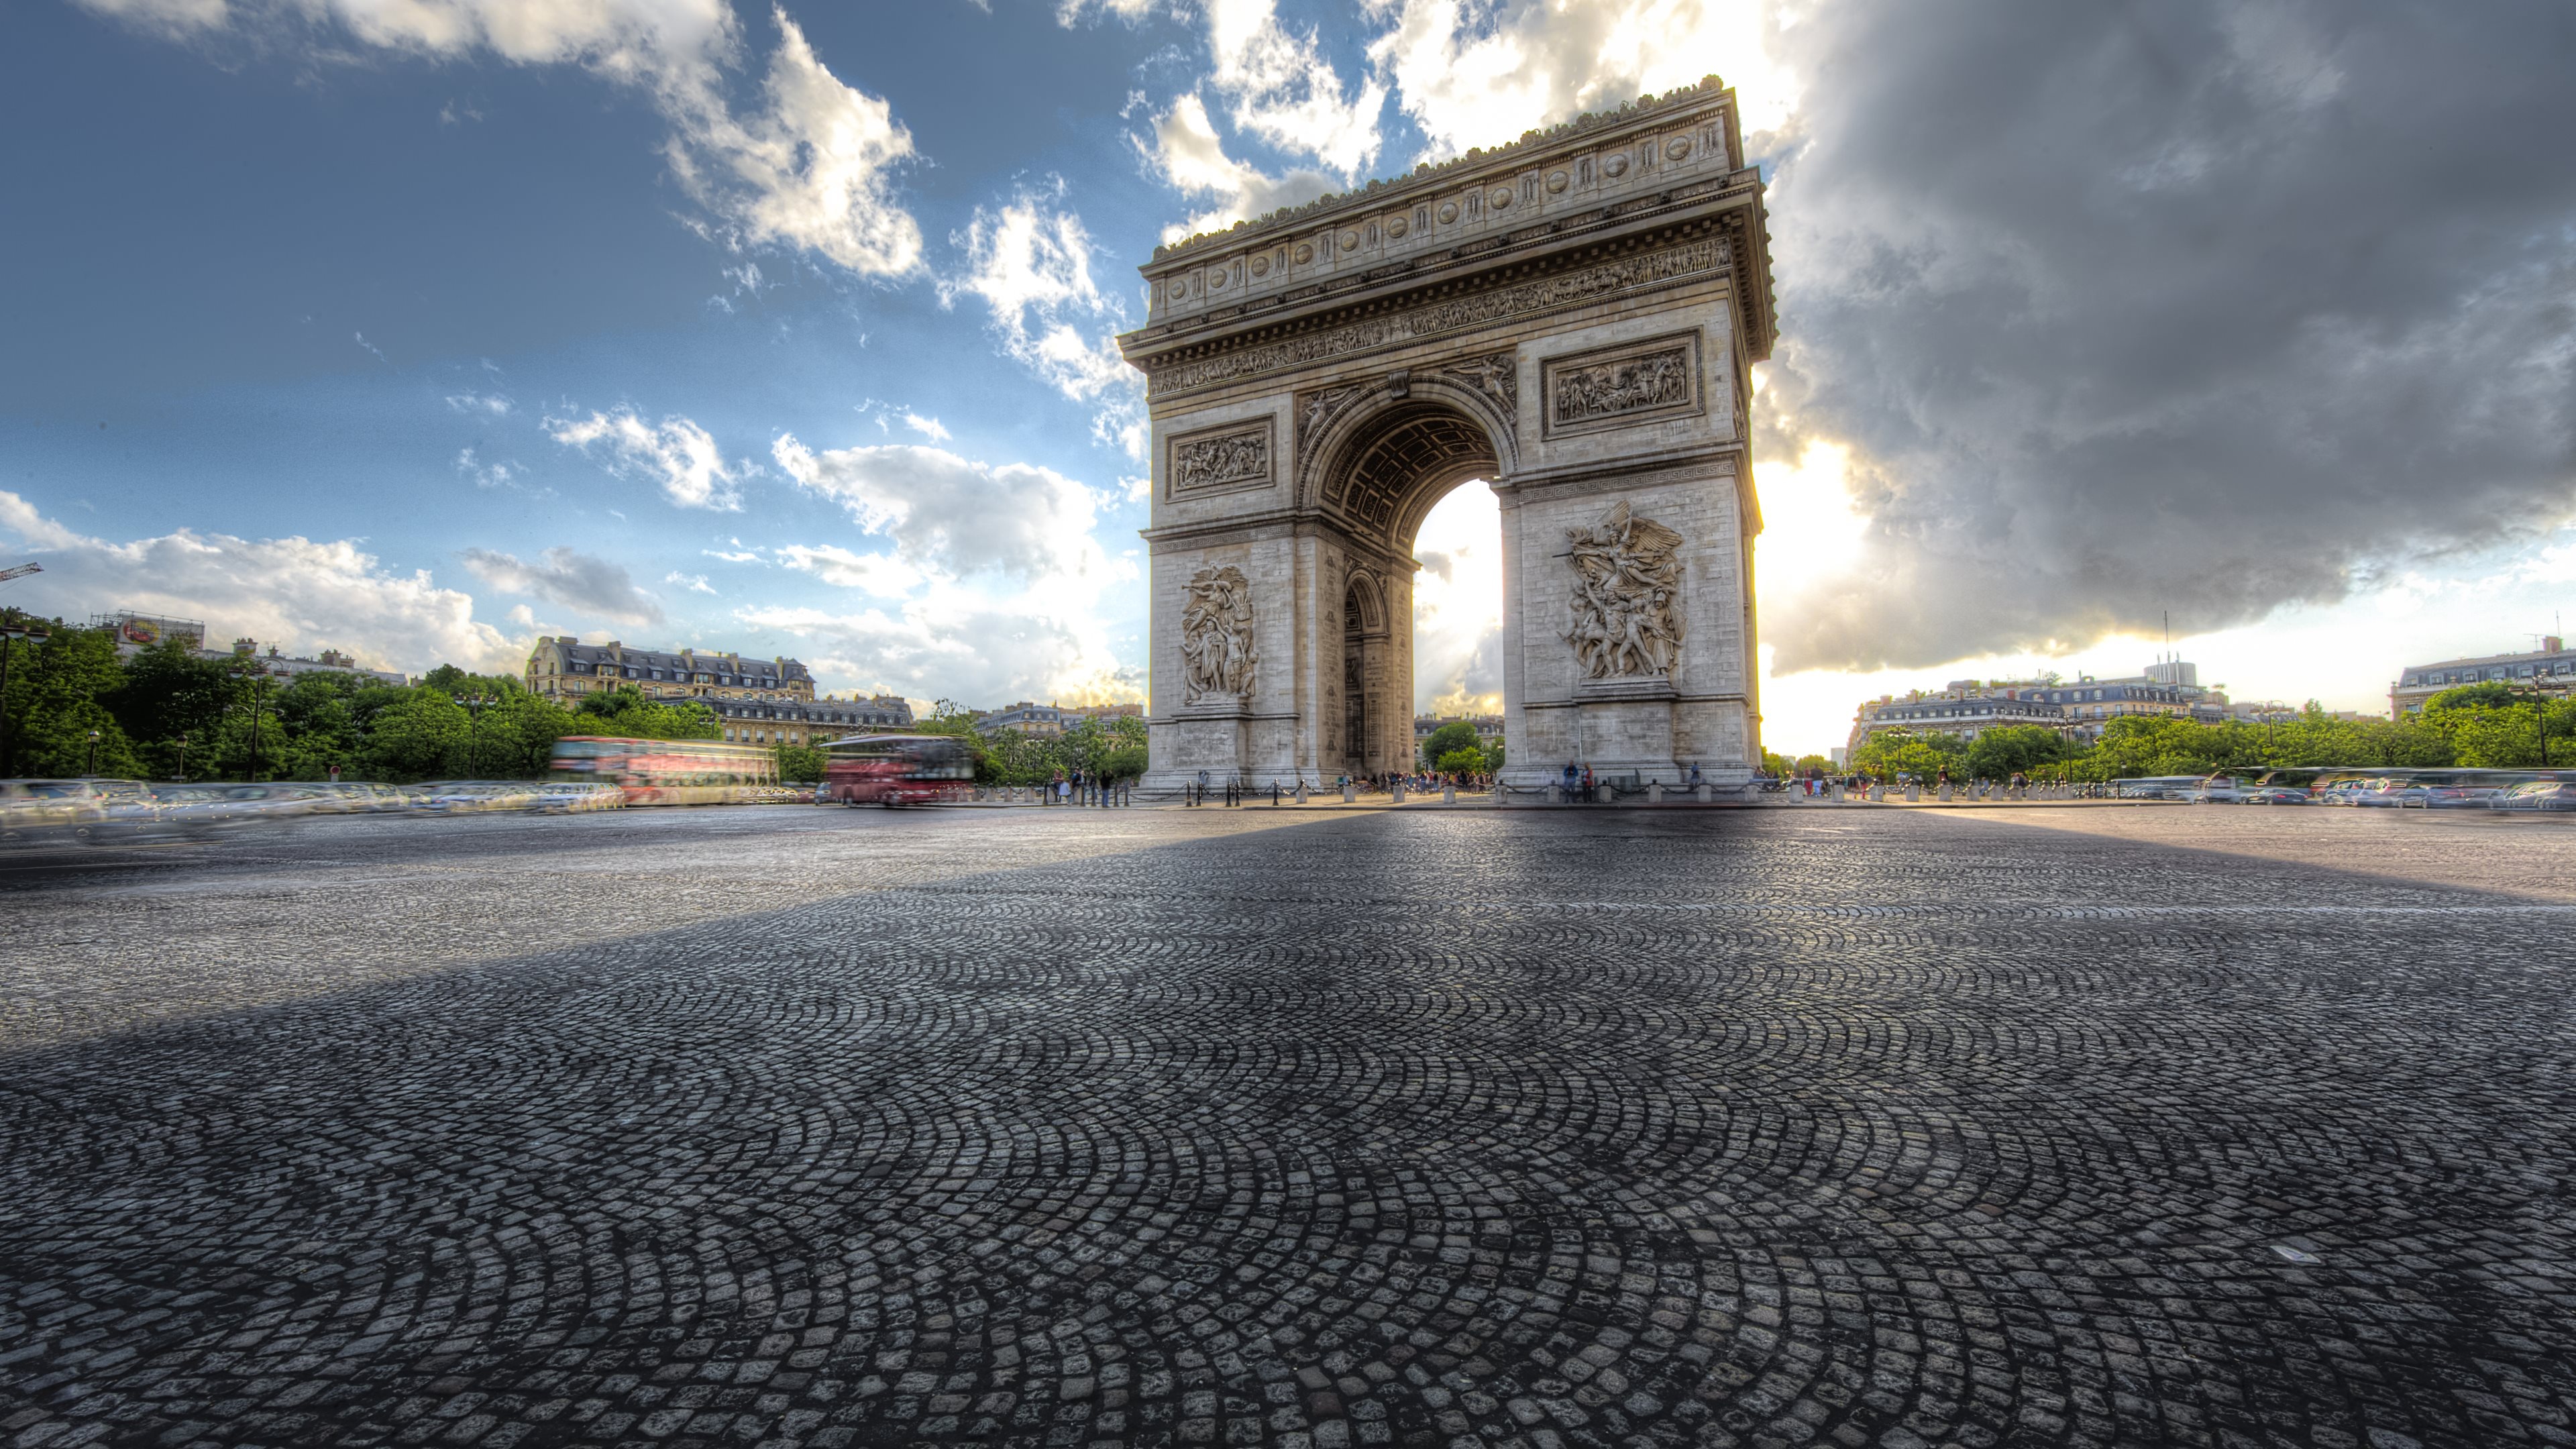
1622 385
1232 458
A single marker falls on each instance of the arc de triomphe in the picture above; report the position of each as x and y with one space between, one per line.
1572 318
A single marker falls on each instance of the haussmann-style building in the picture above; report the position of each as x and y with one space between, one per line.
761 701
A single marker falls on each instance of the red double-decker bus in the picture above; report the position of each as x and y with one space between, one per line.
897 769
668 772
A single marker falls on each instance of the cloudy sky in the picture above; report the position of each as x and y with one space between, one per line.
422 327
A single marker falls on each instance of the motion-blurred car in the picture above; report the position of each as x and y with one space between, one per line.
43 810
2274 795
2459 797
355 797
2536 795
475 797
567 797
2218 790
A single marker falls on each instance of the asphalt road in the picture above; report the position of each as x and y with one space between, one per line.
2199 1126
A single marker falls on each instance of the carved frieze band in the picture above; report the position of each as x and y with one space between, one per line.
1582 284
1617 387
1220 460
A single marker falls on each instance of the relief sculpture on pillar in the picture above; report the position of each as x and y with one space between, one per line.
1217 658
1627 596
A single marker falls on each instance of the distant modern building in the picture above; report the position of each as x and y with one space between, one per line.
2551 667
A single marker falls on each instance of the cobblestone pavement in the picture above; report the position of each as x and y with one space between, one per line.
1202 1128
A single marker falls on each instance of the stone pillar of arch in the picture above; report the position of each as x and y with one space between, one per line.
1572 319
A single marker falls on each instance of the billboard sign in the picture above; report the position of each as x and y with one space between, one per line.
142 631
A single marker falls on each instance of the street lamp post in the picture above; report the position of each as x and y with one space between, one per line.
93 754
183 757
10 633
258 695
474 705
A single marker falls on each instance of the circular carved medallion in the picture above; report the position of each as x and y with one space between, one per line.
1261 266
1350 241
1305 253
1676 148
1615 166
1500 197
1216 279
1448 212
1556 182
1397 227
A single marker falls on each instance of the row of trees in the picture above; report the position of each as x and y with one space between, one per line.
2486 726
1094 749
72 705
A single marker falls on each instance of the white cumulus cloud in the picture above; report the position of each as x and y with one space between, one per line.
299 594
808 162
883 574
574 580
957 516
1030 264
1190 155
1479 74
676 453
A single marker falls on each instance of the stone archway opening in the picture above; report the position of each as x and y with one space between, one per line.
1383 477
1458 608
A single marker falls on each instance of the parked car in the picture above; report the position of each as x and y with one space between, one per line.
2274 795
2459 797
2536 795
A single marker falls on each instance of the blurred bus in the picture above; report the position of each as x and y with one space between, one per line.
896 769
669 772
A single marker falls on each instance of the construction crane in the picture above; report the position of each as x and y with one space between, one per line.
21 571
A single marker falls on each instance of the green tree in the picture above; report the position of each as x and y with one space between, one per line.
2000 754
1467 761
625 712
1778 766
801 764
169 692
1451 737
1925 755
55 699
2492 694
414 737
1814 765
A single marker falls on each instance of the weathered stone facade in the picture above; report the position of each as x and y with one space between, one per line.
1571 318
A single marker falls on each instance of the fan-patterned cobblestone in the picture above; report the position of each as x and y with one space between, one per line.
1565 1131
